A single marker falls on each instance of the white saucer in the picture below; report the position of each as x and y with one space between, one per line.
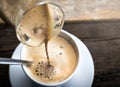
83 78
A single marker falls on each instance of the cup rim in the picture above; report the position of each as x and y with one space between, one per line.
72 41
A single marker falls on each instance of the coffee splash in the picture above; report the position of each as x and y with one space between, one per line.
44 70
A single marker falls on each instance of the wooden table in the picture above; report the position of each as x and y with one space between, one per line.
101 37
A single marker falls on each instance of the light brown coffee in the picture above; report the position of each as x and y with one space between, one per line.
39 23
62 58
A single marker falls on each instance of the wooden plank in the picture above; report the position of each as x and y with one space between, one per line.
103 41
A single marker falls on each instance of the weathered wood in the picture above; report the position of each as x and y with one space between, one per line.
8 40
103 41
8 43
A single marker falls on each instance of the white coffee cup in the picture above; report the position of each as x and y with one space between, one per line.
68 37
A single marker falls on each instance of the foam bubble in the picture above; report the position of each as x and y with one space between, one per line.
44 70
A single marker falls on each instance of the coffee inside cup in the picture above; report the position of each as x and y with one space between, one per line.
63 60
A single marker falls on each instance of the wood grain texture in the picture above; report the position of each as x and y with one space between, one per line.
8 42
103 41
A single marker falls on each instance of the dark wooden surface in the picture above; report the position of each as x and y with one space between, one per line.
102 39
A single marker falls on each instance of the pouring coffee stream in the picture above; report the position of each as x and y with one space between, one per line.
44 22
36 26
46 50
